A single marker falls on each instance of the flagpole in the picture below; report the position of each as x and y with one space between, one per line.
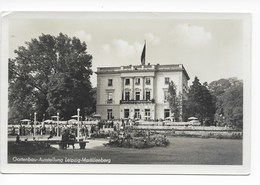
143 55
144 51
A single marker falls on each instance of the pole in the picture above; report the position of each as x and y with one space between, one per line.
58 114
78 123
34 129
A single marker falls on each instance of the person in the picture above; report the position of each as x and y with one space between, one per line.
82 131
23 131
20 129
92 129
112 124
86 132
17 139
13 131
51 132
123 124
63 129
40 130
43 130
32 130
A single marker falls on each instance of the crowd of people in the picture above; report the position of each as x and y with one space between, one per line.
54 129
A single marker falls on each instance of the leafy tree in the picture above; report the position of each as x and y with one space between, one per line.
229 101
200 102
49 75
174 101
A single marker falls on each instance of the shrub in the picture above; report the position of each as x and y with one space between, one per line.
140 133
100 134
220 136
237 136
232 136
138 140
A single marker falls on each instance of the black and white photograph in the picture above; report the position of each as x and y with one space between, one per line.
127 91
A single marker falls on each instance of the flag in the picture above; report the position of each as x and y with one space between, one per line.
143 55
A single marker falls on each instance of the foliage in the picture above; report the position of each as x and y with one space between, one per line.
229 101
232 136
174 101
26 148
200 103
137 139
100 134
49 75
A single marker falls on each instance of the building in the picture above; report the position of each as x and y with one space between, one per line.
138 91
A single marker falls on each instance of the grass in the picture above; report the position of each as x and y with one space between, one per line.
179 151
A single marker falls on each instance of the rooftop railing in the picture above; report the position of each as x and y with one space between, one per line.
136 101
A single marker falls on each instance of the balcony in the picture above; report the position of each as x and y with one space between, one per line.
136 101
110 101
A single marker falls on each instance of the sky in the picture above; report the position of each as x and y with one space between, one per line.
209 48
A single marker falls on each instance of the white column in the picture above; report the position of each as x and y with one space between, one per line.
143 90
132 89
153 88
123 88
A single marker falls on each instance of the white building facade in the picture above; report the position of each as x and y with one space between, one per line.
138 91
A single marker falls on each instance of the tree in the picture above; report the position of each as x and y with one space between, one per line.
200 103
174 101
229 101
49 75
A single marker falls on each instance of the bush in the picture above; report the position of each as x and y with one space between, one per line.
140 133
100 134
237 136
232 136
138 140
25 148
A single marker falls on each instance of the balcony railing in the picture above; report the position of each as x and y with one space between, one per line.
110 101
136 101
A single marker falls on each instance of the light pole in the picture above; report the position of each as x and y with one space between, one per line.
78 110
34 129
58 114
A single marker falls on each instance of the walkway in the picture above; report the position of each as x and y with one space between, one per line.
93 143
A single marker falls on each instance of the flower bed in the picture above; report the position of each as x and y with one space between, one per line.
139 139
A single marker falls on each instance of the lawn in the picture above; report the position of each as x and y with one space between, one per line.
181 150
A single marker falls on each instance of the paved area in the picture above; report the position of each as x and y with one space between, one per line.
92 143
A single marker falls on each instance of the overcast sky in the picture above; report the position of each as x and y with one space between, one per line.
208 48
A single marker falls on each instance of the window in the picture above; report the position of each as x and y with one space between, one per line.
147 113
166 94
166 113
109 97
127 81
110 82
166 80
127 96
137 113
109 114
126 113
148 97
137 95
137 81
147 81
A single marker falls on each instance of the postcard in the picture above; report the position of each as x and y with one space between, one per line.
125 93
